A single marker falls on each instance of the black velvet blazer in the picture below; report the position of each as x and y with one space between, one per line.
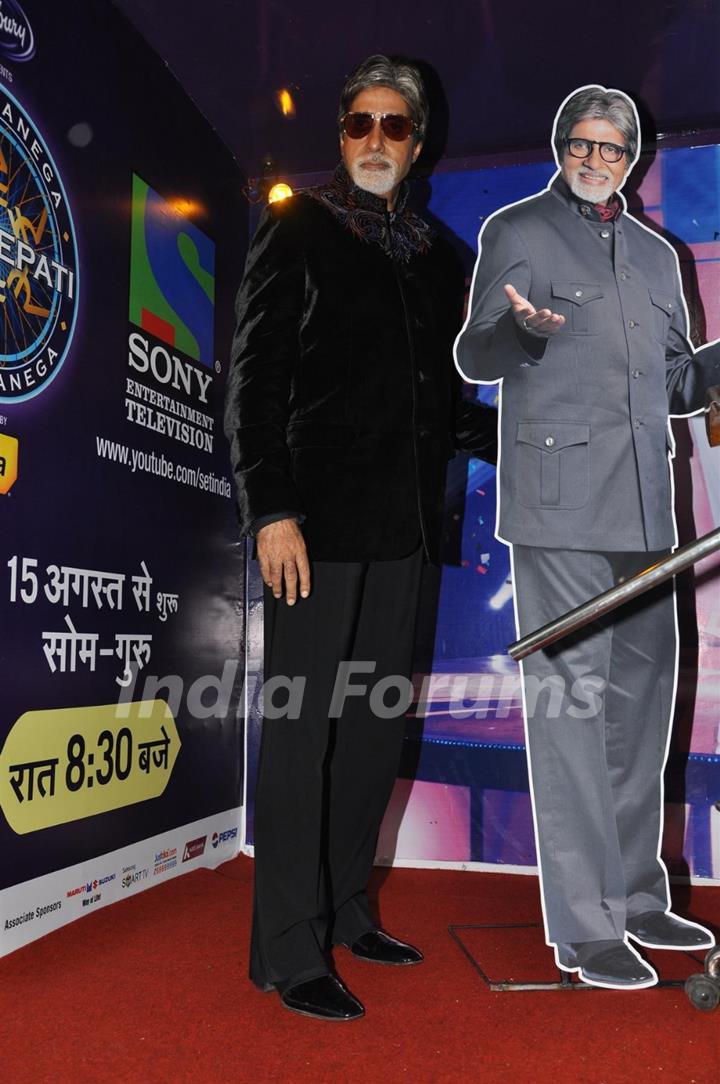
343 403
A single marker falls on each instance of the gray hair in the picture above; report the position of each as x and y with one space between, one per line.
397 74
598 103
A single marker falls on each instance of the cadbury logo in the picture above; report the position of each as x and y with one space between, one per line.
17 41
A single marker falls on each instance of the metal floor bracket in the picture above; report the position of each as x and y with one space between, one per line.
567 981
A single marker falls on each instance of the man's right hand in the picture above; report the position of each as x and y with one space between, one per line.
282 556
540 322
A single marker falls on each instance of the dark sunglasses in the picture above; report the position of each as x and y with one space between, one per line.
395 126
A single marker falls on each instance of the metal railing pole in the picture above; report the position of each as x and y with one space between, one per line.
616 596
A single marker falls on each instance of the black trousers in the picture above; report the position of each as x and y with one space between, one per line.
324 782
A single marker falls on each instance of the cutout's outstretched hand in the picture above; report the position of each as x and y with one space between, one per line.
540 322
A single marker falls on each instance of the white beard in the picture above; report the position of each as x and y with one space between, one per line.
593 193
379 182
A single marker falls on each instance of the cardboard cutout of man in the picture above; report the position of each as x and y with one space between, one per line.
578 310
343 408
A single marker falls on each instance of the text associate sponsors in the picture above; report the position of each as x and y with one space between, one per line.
41 911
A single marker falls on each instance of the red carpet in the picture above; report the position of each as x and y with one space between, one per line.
155 989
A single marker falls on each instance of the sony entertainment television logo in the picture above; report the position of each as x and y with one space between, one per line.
172 280
172 309
17 41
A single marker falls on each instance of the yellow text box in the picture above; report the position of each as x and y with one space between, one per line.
8 462
65 764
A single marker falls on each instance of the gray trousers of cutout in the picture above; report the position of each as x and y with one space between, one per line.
598 710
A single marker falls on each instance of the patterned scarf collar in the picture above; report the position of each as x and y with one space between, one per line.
611 211
401 233
597 212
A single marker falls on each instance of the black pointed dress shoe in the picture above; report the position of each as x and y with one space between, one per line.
325 998
379 947
664 930
611 964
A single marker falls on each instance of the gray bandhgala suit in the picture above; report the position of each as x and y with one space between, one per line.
586 499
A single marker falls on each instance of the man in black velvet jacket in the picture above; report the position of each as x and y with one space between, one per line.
343 409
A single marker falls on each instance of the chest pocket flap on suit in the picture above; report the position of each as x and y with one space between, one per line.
581 316
553 464
663 308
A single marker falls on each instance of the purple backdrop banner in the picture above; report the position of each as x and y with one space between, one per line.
122 237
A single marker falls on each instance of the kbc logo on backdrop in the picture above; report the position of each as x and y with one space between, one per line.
38 259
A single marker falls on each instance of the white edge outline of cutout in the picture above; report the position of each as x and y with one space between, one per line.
670 457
